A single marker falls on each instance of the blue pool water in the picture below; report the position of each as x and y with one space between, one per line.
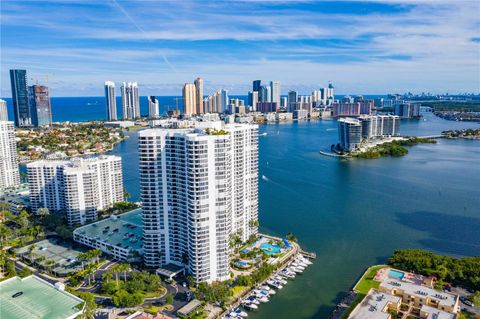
241 264
270 249
396 274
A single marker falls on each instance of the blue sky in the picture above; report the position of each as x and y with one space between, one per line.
370 47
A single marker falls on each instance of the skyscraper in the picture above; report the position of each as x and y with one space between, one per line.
153 107
256 85
111 101
39 100
21 109
189 99
80 187
199 95
3 110
130 100
9 174
198 189
275 91
253 100
349 133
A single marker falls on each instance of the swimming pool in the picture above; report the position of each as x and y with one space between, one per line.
270 249
396 274
241 264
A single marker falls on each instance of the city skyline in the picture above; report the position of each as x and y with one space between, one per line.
365 47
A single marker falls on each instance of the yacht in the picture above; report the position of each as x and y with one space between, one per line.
280 279
249 305
268 289
274 284
252 299
239 312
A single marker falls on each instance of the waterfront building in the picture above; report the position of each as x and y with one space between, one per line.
130 100
300 114
266 107
407 110
283 102
79 187
349 133
275 92
153 107
110 101
21 109
189 99
119 236
264 94
327 95
3 110
217 102
392 101
9 174
292 100
199 95
198 187
378 126
352 109
39 102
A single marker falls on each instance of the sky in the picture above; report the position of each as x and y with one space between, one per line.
374 47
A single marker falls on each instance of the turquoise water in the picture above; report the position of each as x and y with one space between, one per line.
396 274
354 213
270 249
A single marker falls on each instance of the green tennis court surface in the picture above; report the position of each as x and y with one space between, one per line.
39 300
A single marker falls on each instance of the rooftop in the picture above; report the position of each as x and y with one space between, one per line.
124 230
39 299
443 298
374 305
434 313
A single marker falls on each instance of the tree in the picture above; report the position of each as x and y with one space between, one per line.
169 299
43 212
25 272
10 268
90 305
291 237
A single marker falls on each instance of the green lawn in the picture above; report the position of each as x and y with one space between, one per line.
237 290
367 282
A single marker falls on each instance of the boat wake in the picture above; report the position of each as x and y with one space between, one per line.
265 178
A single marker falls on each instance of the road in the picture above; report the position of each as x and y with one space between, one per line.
464 293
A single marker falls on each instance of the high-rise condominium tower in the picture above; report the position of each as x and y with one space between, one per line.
9 174
130 100
39 99
153 107
189 99
21 108
110 101
3 110
79 187
198 189
275 91
199 95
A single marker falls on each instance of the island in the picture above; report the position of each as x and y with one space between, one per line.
394 147
468 134
66 140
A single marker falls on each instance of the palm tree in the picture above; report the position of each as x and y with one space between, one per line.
124 267
43 212
115 269
107 276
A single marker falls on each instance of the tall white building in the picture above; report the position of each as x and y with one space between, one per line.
9 174
130 100
79 187
217 102
153 107
3 110
198 189
110 101
275 90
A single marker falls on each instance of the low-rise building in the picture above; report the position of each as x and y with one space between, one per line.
376 305
15 199
119 236
32 297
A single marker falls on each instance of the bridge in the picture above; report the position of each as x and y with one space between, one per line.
432 136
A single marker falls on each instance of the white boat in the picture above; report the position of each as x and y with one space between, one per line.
264 134
305 260
295 269
280 279
249 305
298 266
262 298
287 273
240 313
268 289
274 284
252 299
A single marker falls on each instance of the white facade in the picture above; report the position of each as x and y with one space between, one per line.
9 174
189 99
275 90
3 110
110 101
197 191
199 95
80 187
130 100
153 107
